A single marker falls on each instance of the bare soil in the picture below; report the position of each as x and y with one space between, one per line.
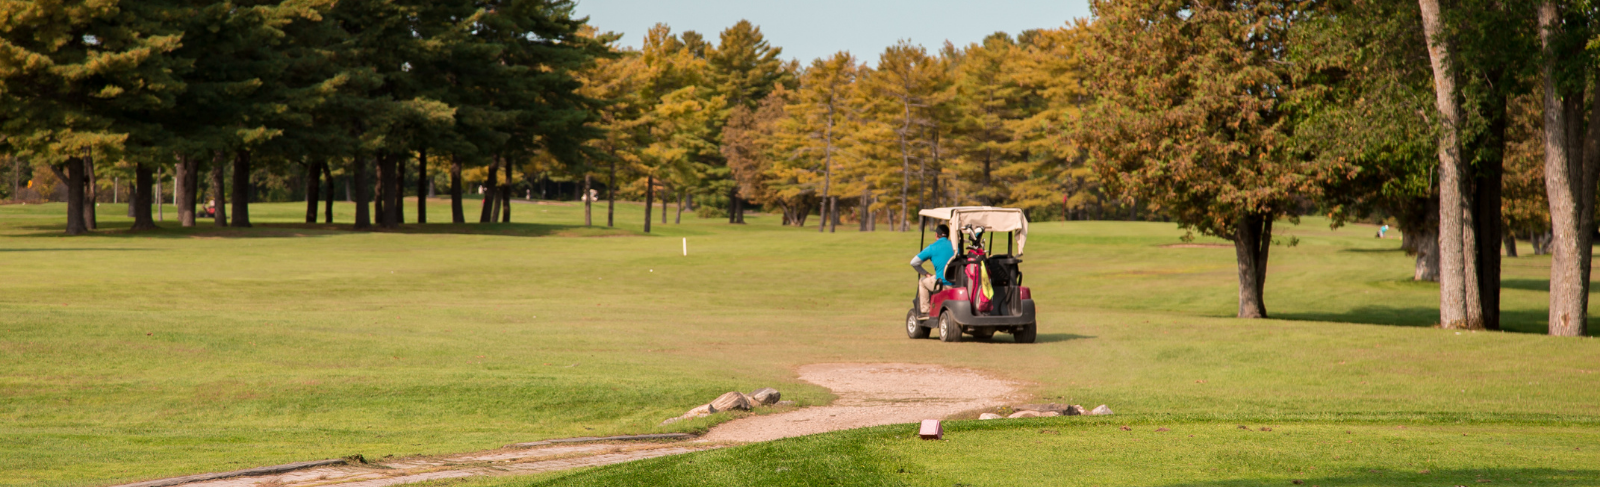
872 395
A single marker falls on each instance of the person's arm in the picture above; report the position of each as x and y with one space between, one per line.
916 261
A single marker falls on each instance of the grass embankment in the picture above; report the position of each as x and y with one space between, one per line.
134 356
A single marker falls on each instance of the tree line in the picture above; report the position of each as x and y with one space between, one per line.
303 88
1467 123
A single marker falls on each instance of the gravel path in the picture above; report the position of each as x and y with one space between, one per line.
872 395
868 395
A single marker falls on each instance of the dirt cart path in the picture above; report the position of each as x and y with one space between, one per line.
872 395
869 395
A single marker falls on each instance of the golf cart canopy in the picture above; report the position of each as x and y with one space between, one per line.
989 218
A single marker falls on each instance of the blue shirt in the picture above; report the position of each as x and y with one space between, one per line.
940 254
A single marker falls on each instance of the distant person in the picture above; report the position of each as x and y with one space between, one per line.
1383 231
939 252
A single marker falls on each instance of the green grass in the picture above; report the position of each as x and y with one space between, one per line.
126 357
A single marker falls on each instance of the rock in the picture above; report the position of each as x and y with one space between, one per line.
1074 410
1048 414
989 416
732 400
1100 410
766 396
1024 414
700 411
1061 409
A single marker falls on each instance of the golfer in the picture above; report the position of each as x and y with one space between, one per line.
940 253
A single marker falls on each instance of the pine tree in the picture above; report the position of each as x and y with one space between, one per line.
616 82
76 80
820 112
1048 75
744 67
901 94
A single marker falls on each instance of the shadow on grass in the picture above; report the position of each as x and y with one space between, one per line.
1515 321
1360 250
299 230
1541 285
1059 337
1522 476
1041 338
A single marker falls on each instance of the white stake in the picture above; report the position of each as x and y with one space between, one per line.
685 246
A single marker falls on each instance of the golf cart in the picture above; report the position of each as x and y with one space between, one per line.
988 295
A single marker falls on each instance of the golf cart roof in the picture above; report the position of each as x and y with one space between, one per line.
989 218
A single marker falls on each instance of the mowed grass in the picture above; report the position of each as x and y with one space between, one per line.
127 357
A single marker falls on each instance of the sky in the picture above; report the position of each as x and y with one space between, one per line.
818 28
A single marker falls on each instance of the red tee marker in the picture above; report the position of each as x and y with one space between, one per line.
931 430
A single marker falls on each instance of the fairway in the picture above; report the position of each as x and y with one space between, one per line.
127 357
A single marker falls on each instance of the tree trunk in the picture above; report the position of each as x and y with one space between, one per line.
1486 200
827 167
1570 192
218 201
1453 204
241 189
424 186
313 188
327 205
588 203
192 183
71 175
864 207
678 220
182 193
649 201
380 190
398 184
665 193
457 213
131 202
611 196
491 195
358 182
1427 266
905 166
1251 239
505 195
90 195
833 208
143 180
1511 245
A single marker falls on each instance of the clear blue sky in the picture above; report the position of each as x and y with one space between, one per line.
817 28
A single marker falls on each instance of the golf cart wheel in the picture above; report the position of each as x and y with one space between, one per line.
983 333
949 330
1027 334
914 328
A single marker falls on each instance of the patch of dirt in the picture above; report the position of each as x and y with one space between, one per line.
873 395
1197 246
